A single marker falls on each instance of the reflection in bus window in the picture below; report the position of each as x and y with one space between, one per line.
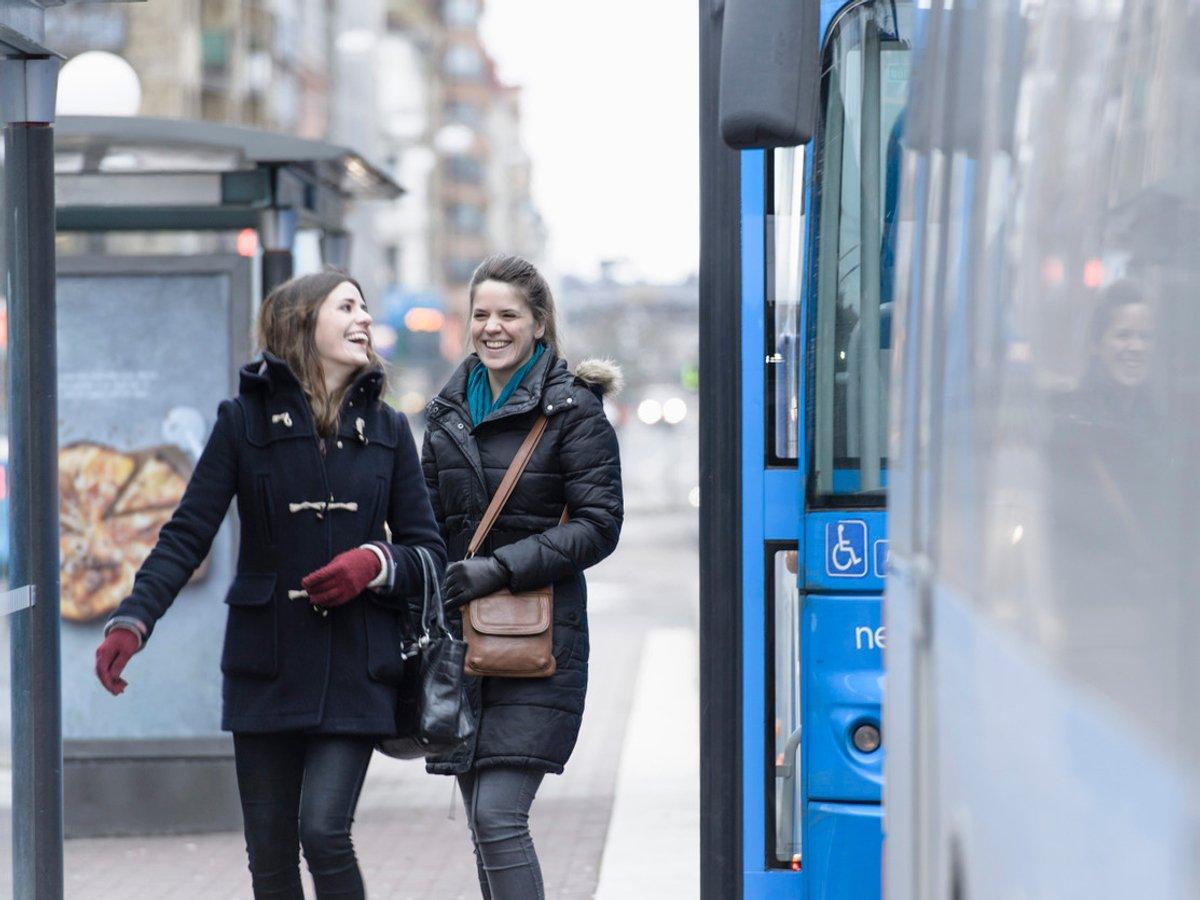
863 95
1109 493
786 683
785 278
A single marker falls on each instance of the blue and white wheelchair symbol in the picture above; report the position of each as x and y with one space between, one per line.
846 549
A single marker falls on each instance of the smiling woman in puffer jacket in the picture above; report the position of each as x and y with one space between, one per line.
322 468
526 726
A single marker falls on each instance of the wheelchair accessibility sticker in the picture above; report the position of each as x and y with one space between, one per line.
846 548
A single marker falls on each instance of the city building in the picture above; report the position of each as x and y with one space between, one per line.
407 83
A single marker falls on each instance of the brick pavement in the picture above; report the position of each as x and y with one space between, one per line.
407 844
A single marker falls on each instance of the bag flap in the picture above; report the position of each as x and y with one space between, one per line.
504 613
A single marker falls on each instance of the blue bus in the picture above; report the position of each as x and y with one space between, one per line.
796 262
956 245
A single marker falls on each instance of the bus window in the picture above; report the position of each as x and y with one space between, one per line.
784 742
785 274
863 94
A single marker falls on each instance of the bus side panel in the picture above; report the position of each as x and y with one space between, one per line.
843 672
835 862
1044 789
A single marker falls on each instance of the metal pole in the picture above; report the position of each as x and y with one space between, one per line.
720 487
335 249
277 231
37 808
277 267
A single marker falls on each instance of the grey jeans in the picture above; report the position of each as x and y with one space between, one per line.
497 801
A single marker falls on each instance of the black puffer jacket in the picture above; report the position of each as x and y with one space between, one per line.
530 721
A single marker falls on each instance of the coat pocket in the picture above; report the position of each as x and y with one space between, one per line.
384 641
251 639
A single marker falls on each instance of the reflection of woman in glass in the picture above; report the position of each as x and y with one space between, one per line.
1112 413
323 470
1105 544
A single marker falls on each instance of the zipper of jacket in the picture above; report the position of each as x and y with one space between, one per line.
328 548
475 467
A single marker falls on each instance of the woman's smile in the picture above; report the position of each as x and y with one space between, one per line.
359 339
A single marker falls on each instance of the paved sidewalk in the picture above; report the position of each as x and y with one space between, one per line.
407 844
643 598
653 847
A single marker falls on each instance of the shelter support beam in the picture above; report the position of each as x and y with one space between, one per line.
28 94
277 231
335 248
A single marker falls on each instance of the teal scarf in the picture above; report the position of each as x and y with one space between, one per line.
479 390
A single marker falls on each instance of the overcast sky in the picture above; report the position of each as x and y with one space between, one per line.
609 105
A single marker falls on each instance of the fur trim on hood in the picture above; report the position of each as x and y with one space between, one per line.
602 375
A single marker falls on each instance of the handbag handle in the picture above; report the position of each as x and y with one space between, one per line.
431 596
515 468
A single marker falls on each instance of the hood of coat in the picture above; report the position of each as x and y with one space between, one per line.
603 376
271 374
550 384
277 408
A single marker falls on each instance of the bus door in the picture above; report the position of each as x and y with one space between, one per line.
829 214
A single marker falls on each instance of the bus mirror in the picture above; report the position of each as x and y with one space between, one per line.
770 70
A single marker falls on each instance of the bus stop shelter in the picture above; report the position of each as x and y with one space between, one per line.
150 176
116 173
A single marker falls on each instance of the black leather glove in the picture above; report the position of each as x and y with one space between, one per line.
472 578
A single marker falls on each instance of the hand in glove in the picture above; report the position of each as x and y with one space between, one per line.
344 578
111 657
471 578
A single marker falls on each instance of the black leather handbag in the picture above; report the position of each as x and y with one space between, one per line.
433 715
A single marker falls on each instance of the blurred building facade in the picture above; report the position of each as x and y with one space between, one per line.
408 83
483 174
653 329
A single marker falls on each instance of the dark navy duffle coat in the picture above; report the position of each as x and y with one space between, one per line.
286 666
531 722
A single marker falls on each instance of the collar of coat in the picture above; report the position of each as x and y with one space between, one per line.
286 412
549 384
274 375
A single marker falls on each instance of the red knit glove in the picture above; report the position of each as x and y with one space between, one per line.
112 655
343 579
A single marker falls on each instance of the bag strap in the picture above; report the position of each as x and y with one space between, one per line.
432 599
515 468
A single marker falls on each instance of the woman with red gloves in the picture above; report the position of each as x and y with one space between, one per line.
526 726
332 506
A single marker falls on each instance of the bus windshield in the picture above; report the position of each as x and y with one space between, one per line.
857 175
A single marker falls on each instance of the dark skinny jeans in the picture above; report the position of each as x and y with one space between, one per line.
497 801
300 790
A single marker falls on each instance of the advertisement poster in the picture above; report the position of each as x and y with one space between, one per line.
147 348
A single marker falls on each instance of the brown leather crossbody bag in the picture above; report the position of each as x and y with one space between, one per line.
510 634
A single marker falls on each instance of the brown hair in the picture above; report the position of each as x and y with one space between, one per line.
1118 294
521 274
287 327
